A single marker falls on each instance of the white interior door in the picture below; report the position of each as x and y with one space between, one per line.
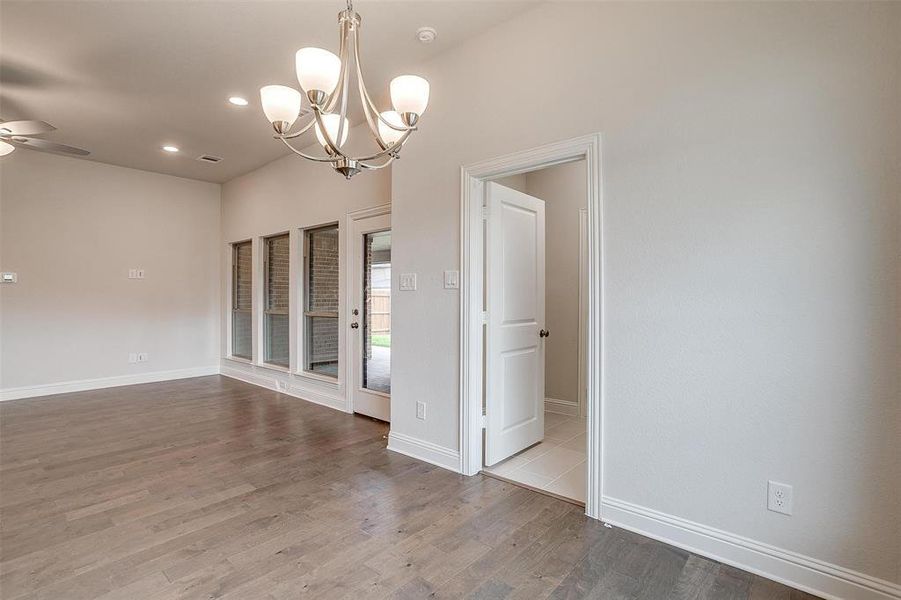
515 299
370 316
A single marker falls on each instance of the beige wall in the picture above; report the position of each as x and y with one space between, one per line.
72 229
564 190
751 247
516 182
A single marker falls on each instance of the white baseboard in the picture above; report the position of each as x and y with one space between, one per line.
790 568
425 451
81 385
283 382
563 407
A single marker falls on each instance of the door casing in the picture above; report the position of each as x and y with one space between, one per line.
472 189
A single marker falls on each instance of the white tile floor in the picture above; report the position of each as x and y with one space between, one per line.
557 464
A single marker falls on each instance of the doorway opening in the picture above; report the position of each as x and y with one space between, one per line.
536 245
516 408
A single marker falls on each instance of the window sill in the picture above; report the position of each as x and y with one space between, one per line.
238 359
304 375
333 381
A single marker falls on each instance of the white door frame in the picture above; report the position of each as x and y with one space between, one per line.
350 366
472 263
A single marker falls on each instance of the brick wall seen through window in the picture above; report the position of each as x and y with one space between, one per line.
242 299
321 293
276 318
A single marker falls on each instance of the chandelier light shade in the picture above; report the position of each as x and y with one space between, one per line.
332 123
409 94
317 70
281 105
325 79
6 148
390 135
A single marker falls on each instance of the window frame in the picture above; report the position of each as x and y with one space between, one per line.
234 299
304 363
266 312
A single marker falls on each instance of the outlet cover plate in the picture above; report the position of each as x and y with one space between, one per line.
779 497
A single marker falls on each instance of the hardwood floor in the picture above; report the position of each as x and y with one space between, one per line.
212 488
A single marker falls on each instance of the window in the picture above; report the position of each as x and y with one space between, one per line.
321 301
242 300
275 303
377 311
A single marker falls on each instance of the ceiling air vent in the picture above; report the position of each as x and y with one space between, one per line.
208 158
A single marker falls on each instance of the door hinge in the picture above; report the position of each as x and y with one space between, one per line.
484 421
486 212
484 316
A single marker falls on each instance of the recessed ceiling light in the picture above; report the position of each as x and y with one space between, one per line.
238 101
170 148
426 35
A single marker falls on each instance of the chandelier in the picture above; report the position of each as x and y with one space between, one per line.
325 78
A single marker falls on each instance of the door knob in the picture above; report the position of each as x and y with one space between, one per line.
544 333
354 325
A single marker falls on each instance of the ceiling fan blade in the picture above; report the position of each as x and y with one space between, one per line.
37 144
26 127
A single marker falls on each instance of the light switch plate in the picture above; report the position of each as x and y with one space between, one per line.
8 278
407 282
452 280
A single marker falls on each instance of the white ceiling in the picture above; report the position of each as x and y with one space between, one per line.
123 78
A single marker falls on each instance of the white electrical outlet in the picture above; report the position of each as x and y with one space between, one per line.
420 410
132 357
779 497
140 273
132 273
143 357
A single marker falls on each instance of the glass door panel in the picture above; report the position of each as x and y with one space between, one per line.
376 355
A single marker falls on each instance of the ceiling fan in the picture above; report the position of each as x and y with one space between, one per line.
21 134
